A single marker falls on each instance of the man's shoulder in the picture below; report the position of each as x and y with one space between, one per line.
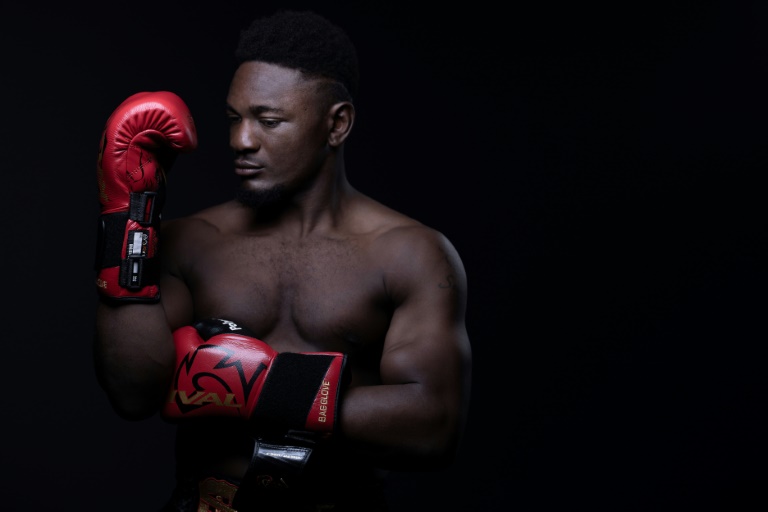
384 224
395 236
195 231
213 216
412 256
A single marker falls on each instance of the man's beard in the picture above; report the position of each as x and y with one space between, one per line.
261 199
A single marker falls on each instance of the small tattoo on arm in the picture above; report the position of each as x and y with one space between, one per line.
450 278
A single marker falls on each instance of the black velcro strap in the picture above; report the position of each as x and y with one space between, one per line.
137 270
145 208
275 478
109 243
290 389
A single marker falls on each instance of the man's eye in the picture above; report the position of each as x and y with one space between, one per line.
232 118
270 123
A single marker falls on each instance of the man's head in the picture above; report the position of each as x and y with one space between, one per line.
290 108
305 41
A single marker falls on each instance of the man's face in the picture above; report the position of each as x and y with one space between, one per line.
278 131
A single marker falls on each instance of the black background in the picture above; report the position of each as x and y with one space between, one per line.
599 166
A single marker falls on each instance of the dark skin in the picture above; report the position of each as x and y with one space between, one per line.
328 269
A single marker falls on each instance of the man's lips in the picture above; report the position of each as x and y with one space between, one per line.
243 168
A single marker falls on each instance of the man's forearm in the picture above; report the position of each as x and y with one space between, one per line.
134 357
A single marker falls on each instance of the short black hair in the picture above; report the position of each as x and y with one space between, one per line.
302 40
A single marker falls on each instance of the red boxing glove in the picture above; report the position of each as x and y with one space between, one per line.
221 370
139 144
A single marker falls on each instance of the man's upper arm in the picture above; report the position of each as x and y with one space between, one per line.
174 293
427 342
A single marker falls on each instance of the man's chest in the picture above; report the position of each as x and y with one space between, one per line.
322 296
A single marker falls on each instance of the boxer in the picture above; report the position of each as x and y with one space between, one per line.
303 338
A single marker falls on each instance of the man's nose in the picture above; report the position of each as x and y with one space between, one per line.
242 137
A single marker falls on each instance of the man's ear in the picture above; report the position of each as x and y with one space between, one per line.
341 118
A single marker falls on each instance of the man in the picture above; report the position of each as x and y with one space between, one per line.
303 337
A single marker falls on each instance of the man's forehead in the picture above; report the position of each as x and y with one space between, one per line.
269 77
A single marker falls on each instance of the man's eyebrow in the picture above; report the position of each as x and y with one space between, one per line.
257 110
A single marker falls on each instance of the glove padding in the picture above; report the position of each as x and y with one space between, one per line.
140 142
222 370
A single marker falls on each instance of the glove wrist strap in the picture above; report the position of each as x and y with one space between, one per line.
301 392
123 244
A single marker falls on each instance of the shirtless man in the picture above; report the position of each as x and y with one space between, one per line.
302 336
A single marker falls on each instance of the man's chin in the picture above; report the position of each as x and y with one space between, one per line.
260 198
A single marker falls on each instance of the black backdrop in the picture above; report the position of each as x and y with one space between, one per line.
599 166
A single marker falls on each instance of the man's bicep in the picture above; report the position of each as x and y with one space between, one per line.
177 301
174 292
427 340
425 350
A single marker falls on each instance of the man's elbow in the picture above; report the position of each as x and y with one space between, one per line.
130 402
132 410
440 445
